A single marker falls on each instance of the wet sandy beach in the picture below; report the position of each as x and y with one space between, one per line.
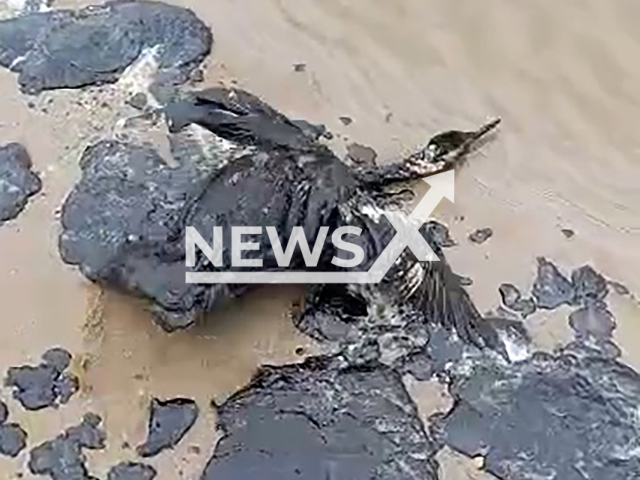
562 77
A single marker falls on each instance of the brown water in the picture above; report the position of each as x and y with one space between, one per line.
562 75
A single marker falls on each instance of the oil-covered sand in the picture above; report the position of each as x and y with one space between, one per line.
563 79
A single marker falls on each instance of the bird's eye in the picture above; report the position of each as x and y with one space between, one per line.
433 150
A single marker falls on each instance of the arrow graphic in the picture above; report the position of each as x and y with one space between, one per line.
407 235
442 185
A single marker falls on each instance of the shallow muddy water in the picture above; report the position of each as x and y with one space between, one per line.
563 77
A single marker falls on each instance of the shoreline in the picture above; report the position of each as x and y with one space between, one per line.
553 167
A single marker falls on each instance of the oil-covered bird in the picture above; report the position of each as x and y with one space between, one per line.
242 163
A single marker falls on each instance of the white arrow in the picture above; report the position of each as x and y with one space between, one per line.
442 185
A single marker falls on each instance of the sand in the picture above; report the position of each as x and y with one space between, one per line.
562 76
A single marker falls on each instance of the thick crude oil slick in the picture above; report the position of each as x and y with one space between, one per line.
17 181
361 154
132 471
62 458
322 419
169 422
481 235
512 300
570 415
44 385
13 438
69 49
551 288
